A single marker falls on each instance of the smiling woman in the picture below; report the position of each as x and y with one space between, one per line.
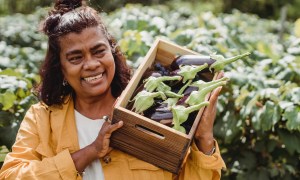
66 135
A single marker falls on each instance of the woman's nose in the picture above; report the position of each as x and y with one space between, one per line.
91 63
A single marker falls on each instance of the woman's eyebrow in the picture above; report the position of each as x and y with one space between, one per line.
73 52
98 46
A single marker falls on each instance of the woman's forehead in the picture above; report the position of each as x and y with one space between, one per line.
92 35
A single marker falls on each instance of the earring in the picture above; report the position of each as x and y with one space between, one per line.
65 82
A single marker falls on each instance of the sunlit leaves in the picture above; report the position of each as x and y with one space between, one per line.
292 115
7 100
270 115
258 109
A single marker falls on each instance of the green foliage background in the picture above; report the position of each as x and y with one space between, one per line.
258 121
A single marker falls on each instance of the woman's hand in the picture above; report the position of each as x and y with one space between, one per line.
99 148
204 137
101 144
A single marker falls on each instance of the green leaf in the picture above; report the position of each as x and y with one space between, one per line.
230 128
248 160
256 120
296 95
243 94
285 104
271 144
270 115
10 72
251 104
263 174
290 140
292 114
7 99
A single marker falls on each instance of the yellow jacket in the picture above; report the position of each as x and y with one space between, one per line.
48 135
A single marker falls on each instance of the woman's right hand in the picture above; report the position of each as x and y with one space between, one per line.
101 144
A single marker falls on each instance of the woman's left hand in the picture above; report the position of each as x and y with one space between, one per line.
101 144
204 137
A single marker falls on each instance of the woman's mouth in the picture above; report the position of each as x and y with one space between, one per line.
93 78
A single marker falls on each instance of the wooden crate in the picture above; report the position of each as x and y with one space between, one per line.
142 137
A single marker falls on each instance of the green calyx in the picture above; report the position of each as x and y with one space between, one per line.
221 62
167 90
197 97
152 82
181 114
189 72
202 84
171 101
144 100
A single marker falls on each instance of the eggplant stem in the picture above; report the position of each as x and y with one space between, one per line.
219 64
199 96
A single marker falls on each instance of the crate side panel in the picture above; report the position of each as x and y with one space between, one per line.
161 152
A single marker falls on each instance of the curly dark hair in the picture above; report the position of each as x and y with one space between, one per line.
66 17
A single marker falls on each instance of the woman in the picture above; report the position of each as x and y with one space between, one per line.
65 135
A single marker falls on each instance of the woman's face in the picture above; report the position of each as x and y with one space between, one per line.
87 62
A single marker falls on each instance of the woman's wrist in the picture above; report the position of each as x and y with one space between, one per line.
83 158
206 144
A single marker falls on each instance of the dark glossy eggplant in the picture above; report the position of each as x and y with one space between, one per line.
160 112
160 115
189 90
191 60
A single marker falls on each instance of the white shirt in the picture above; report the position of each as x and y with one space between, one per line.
88 130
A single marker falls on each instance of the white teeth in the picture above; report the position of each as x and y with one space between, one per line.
90 79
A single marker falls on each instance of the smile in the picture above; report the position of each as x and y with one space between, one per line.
93 78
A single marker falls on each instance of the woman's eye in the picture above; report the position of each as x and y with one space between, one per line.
99 51
75 59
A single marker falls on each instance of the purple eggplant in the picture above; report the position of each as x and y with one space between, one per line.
160 115
191 60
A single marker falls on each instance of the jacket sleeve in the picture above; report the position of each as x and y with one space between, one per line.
24 162
199 166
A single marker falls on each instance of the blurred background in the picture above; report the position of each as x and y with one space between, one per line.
258 120
263 8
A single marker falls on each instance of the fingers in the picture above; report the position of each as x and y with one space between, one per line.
112 127
220 75
214 95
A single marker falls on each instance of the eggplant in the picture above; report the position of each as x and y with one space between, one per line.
181 114
221 61
160 115
189 90
160 112
152 82
197 97
189 72
191 60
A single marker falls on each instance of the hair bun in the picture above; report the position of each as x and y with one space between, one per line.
63 6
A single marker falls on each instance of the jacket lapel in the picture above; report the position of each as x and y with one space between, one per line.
63 127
